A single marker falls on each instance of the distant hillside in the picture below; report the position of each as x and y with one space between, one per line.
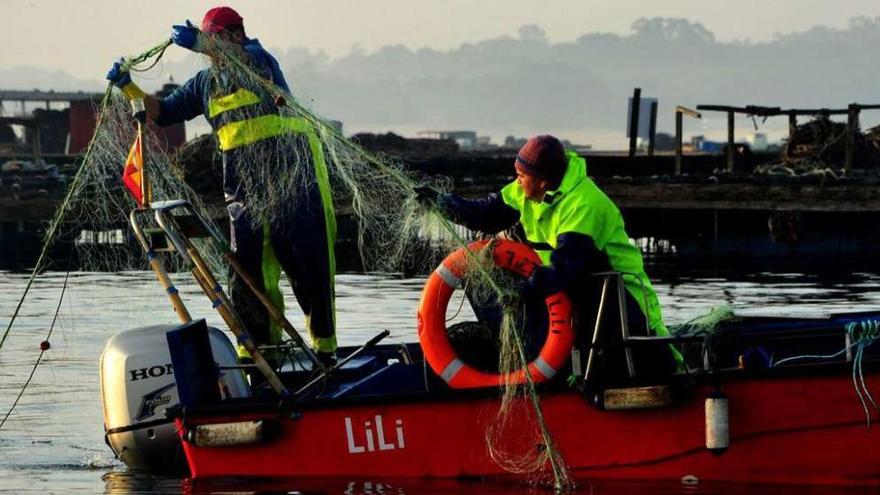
523 83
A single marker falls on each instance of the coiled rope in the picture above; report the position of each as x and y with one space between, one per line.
862 334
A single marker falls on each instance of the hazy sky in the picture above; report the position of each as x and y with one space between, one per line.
83 37
482 72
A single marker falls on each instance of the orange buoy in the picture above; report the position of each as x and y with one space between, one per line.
511 256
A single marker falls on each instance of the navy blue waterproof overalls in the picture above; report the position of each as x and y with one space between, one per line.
299 236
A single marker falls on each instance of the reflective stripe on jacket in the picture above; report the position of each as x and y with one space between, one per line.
243 116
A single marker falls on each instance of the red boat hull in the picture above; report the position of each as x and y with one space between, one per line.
783 430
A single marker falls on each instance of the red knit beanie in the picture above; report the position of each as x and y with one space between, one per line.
220 19
542 157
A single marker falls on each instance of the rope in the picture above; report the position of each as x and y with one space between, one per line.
861 334
560 477
158 51
44 346
461 303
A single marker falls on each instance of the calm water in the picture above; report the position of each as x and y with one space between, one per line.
53 442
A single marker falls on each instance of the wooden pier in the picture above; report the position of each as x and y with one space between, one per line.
703 211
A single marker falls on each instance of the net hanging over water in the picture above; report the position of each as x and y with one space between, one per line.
280 175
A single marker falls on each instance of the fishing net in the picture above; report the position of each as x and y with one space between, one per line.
518 439
376 192
389 221
96 210
280 176
705 323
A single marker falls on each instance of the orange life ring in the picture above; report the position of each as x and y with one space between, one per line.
511 256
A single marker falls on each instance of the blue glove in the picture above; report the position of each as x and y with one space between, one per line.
187 36
120 78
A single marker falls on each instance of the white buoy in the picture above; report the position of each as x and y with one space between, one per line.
717 423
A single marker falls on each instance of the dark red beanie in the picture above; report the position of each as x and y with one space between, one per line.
542 157
221 18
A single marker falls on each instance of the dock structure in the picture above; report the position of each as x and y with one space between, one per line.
47 97
852 112
72 119
699 202
659 190
706 211
701 211
79 101
781 196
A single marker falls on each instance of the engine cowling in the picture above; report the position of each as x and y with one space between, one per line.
137 386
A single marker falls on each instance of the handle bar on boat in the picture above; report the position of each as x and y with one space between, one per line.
205 279
342 362
180 242
156 265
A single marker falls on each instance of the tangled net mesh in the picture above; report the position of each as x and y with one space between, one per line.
518 439
377 191
96 209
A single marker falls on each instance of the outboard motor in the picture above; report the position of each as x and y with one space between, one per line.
137 385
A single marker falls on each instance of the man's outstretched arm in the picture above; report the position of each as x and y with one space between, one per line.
490 214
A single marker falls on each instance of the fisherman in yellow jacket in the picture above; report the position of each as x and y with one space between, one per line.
577 231
244 114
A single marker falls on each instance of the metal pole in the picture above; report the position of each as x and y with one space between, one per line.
159 270
792 130
634 120
652 130
215 293
594 342
323 375
852 127
679 129
731 146
624 326
37 145
231 258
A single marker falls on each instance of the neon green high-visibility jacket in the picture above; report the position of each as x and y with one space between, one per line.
578 206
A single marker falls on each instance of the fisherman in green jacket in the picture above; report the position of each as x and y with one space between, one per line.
577 231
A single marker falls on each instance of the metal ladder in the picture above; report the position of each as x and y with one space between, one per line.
179 223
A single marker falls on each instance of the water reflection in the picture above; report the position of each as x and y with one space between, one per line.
118 483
